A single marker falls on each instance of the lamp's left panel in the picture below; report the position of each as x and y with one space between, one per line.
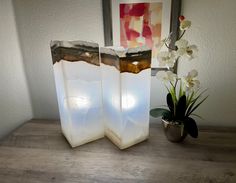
79 91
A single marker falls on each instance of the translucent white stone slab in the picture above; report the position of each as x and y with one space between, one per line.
126 79
79 92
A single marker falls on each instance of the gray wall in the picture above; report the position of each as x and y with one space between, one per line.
15 106
39 22
213 31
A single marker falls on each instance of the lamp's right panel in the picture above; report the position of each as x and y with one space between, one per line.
132 74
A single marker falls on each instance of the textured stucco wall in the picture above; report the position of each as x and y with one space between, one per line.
213 30
15 105
38 23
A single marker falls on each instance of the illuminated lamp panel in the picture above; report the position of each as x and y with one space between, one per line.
126 76
79 93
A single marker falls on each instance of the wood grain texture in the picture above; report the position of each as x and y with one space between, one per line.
37 152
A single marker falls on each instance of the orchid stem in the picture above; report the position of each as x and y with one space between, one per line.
169 47
182 34
172 84
176 83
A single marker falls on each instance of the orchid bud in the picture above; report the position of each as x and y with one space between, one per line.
181 18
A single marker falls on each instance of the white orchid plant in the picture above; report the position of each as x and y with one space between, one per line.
184 93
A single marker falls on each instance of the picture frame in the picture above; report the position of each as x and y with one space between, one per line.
170 23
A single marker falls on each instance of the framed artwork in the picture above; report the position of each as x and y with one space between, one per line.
132 23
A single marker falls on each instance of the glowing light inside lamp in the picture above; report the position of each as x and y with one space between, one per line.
135 63
78 102
116 102
87 54
128 102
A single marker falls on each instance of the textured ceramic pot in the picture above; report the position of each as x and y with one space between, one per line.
174 131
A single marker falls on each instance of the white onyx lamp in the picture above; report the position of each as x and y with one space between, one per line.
79 93
126 77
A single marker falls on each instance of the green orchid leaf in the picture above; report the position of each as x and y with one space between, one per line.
181 93
197 116
170 102
197 105
181 107
190 107
160 112
191 127
189 98
172 92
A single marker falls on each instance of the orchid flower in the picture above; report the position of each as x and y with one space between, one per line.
167 58
185 24
186 50
166 76
190 80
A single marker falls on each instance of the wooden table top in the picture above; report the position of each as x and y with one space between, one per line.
37 152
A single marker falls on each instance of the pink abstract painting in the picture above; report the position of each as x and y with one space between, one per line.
140 24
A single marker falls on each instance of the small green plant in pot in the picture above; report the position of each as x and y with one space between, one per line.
184 93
